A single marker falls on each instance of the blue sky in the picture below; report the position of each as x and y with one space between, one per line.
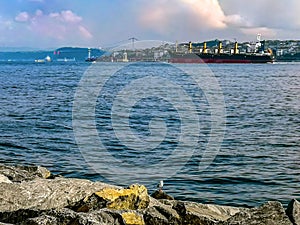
100 23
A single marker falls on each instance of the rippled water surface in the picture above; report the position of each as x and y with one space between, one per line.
259 157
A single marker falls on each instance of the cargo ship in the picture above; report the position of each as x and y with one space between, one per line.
203 56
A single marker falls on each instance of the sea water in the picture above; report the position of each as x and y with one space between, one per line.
257 159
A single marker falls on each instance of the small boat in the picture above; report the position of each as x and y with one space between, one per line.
39 60
46 59
91 59
66 60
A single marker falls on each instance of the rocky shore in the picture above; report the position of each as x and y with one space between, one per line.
32 196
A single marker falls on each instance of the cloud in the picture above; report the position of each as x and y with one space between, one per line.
22 17
66 16
6 24
268 15
162 16
70 17
85 32
267 33
236 20
39 12
190 19
208 12
63 25
58 22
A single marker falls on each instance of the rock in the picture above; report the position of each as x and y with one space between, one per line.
41 220
28 198
132 218
101 217
134 197
181 212
4 179
45 194
197 213
52 217
67 216
270 213
24 173
161 214
159 194
19 215
293 211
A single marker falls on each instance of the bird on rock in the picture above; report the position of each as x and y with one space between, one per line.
160 185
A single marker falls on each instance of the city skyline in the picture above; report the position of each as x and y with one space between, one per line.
50 24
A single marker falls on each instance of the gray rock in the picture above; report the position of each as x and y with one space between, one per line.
45 194
293 211
181 212
19 215
67 216
105 217
24 173
159 213
270 213
206 214
41 220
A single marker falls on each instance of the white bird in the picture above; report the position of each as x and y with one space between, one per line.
160 185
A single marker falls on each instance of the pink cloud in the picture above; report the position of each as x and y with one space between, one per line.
38 12
69 16
22 17
193 18
237 21
163 16
64 25
209 12
85 32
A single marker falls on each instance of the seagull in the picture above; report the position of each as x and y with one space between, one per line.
160 185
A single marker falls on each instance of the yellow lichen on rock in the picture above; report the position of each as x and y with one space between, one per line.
134 197
131 218
44 172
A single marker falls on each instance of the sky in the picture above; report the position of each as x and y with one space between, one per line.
103 23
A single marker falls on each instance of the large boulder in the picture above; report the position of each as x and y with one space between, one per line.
270 213
24 173
134 197
45 194
182 212
293 211
160 212
206 214
68 216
